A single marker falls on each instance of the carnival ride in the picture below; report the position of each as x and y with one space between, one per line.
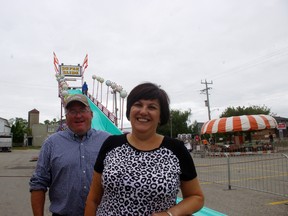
239 123
236 127
70 79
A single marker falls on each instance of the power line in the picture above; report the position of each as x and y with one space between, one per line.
257 61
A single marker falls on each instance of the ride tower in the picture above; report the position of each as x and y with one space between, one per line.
70 80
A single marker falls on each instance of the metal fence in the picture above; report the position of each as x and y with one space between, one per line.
265 171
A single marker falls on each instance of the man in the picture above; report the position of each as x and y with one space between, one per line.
271 138
205 143
85 88
66 161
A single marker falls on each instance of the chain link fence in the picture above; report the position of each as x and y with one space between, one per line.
263 170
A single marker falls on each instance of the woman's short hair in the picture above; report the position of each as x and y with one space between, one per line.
150 91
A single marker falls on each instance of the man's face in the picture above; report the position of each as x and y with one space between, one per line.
78 118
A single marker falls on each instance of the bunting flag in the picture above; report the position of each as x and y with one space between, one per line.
56 63
85 63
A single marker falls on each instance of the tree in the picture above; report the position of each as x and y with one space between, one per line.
178 123
251 110
48 122
194 128
19 128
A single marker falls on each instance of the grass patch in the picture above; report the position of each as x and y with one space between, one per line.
25 147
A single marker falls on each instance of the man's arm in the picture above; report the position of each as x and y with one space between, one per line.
37 202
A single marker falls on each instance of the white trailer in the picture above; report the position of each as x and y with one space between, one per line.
5 143
5 135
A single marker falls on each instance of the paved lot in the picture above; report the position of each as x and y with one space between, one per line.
16 169
239 202
15 172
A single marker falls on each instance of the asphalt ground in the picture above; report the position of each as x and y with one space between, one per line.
16 168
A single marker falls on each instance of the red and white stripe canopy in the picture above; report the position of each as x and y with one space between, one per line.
239 123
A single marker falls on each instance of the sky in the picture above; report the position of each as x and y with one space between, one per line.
239 47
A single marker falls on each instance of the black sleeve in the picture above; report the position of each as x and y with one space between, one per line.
110 143
188 170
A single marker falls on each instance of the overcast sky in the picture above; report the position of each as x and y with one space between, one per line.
240 46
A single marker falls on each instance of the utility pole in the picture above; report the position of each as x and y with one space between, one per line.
171 125
206 91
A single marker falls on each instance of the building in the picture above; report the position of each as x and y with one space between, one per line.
39 131
282 126
33 118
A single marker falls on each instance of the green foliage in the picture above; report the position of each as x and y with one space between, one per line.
19 128
48 122
194 128
178 124
251 110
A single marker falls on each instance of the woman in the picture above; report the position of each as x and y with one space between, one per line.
140 173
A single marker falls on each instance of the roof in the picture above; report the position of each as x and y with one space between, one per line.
280 119
34 111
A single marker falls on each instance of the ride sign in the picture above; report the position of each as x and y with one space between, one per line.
70 70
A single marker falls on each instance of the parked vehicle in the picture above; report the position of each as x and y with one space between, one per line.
5 135
5 143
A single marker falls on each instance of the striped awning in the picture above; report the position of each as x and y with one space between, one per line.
239 123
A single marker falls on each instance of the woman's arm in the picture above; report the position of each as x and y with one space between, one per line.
193 200
95 195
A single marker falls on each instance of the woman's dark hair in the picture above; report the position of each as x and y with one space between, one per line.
150 91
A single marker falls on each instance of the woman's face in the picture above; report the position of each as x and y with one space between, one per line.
145 115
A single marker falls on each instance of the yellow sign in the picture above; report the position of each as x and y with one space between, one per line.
70 70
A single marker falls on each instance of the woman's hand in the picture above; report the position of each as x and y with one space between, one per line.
162 214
